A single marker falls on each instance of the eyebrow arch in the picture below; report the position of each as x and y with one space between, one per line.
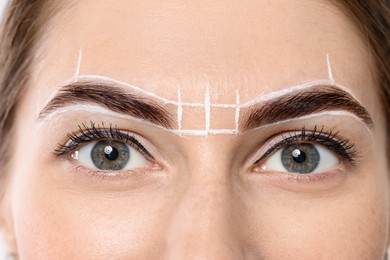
303 103
112 98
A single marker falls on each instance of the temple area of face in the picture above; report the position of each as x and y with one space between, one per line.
154 110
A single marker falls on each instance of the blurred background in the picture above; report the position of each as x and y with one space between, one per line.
3 3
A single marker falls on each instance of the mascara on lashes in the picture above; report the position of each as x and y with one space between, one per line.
94 133
342 147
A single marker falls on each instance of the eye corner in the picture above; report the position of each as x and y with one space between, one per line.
62 150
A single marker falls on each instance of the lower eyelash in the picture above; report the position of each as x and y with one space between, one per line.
342 147
95 133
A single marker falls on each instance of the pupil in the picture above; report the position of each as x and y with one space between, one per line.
299 156
111 153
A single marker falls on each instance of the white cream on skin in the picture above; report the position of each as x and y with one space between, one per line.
95 109
206 105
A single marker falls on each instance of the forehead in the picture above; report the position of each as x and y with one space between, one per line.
254 46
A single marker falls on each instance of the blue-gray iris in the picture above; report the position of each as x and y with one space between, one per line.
300 158
110 155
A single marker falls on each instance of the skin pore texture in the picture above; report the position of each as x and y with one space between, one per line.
201 194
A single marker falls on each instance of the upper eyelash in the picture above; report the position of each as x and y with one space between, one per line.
86 134
94 133
342 146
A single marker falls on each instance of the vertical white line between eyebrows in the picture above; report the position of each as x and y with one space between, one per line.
207 108
330 73
205 133
237 115
179 109
285 91
104 111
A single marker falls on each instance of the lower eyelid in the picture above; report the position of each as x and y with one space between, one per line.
310 178
124 174
312 183
128 179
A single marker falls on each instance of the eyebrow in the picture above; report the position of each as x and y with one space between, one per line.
112 98
303 103
296 104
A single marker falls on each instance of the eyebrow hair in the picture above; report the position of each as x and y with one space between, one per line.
303 103
112 98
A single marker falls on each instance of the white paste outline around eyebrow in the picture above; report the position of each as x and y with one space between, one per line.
206 105
256 100
237 114
179 109
90 108
207 109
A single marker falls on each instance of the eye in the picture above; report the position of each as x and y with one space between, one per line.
110 155
302 158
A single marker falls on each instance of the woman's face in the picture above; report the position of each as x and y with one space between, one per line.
200 129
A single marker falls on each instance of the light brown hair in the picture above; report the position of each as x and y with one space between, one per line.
22 27
373 20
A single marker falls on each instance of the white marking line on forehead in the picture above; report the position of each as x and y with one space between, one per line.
206 132
237 114
77 73
283 92
207 108
109 81
330 73
254 101
180 132
179 109
335 113
258 99
207 104
77 77
91 108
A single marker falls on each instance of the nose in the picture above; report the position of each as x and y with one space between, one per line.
203 224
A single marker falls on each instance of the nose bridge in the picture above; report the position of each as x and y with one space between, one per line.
202 223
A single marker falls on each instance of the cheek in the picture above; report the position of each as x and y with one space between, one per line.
72 224
352 224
